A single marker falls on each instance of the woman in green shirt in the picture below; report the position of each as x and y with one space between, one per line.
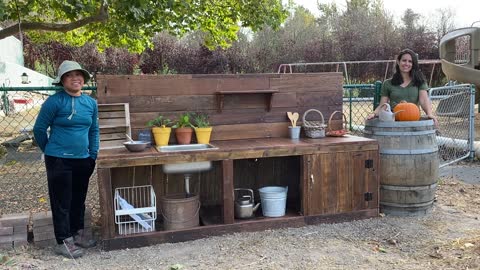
407 83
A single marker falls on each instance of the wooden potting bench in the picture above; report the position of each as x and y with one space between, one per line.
329 179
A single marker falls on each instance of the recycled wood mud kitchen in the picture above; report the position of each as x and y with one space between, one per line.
251 175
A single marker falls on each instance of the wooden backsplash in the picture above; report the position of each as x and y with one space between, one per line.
243 115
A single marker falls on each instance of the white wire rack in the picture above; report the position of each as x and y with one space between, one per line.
135 209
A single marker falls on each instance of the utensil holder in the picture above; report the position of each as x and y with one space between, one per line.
294 132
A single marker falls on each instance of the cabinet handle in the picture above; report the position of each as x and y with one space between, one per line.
312 180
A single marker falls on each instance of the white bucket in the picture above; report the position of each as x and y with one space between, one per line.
273 201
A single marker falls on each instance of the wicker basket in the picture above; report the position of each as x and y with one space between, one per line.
314 129
337 133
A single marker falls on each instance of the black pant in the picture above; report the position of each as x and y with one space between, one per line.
67 187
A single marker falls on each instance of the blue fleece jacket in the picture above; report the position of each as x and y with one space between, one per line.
73 123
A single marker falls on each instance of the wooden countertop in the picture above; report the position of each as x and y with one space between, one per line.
236 149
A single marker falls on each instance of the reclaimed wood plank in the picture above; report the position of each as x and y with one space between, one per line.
344 183
146 239
113 136
227 192
373 179
111 107
106 203
112 114
310 80
237 149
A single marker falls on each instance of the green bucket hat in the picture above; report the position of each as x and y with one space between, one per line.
68 66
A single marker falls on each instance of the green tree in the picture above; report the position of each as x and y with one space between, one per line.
132 23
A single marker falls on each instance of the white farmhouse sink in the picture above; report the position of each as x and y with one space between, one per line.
190 167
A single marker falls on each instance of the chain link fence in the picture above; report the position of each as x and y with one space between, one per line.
20 158
454 107
21 161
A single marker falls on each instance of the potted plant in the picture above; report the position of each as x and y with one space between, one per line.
203 130
183 129
161 130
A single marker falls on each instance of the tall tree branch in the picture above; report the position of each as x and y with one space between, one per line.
101 16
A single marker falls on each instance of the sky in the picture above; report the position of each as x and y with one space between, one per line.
466 11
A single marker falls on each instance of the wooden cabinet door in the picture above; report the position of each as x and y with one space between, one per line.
340 182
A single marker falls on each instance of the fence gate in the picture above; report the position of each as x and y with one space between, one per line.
454 107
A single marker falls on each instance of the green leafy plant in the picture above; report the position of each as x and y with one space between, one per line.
160 121
183 121
3 151
201 120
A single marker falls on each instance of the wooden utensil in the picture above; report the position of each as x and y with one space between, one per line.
290 116
295 118
128 137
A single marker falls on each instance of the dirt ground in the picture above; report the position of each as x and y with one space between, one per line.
448 238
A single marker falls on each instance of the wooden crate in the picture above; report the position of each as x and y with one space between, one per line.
114 122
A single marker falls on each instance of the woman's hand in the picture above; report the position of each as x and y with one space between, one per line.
371 116
434 118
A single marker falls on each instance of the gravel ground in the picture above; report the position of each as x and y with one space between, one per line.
448 238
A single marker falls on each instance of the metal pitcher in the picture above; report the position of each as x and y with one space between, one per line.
244 204
386 115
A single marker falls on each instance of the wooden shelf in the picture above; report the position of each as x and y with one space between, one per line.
221 96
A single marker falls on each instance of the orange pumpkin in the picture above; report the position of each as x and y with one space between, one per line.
407 111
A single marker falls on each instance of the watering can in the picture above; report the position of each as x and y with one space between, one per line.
386 115
244 205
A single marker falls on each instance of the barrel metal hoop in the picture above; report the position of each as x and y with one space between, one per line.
416 205
409 188
406 133
408 151
377 123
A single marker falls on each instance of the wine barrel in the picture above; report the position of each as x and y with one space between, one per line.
408 165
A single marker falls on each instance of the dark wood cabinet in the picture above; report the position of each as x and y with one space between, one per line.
329 180
340 182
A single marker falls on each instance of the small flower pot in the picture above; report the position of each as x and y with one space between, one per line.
184 135
161 135
294 132
203 135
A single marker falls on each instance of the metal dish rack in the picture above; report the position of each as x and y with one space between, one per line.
135 209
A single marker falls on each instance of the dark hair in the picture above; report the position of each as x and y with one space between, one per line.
415 73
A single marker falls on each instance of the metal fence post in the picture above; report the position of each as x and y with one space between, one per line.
5 101
472 123
376 97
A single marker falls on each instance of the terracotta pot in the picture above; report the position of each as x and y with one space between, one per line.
184 135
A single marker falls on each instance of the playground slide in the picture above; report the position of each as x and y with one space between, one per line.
468 72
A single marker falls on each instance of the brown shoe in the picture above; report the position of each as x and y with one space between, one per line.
68 249
83 240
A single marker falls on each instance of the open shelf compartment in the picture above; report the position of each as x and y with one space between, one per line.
135 209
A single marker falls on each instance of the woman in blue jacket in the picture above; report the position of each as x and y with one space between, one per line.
70 150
